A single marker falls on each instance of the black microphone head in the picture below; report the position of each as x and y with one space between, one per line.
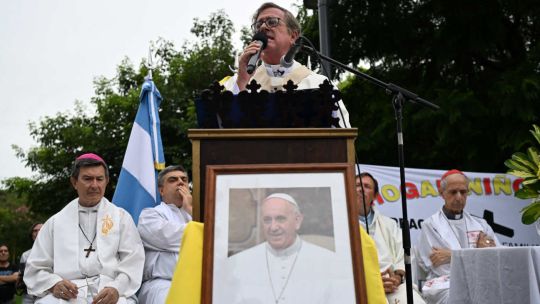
261 36
287 60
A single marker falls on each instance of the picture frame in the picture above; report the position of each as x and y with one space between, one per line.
260 246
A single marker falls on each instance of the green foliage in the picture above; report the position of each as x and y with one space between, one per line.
478 60
16 218
106 126
527 166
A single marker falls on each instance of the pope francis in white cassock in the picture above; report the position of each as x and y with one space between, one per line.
450 228
285 269
90 250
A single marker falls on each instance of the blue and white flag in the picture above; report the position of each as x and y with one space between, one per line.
137 183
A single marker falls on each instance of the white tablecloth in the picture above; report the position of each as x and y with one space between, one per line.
495 275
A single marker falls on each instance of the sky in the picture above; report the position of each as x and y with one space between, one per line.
51 51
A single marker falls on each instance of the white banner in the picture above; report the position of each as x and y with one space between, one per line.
491 197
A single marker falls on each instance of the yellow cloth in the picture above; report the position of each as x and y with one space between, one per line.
225 79
374 285
187 278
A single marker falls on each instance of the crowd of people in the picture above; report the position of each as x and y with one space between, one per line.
91 251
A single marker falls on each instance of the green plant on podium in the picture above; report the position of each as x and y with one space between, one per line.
527 166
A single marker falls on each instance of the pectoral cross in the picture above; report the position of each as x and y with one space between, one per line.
89 250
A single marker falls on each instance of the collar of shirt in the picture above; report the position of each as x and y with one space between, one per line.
452 216
173 207
287 251
370 217
276 70
89 209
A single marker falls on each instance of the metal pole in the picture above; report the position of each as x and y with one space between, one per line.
397 102
323 35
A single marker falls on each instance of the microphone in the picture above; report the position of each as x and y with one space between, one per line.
261 39
288 59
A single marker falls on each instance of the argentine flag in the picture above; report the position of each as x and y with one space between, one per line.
137 183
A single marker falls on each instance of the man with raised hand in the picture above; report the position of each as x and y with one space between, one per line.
282 30
162 228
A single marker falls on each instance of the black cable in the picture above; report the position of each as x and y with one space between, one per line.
326 72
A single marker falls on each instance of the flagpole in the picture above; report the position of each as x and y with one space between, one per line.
150 63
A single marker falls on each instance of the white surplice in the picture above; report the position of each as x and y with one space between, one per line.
301 76
438 231
161 229
388 240
59 252
26 298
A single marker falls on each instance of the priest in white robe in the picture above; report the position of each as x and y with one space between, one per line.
34 230
90 251
388 240
450 228
284 269
162 229
282 30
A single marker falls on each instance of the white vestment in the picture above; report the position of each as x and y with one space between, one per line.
161 229
302 273
299 74
438 231
59 253
26 298
25 255
388 240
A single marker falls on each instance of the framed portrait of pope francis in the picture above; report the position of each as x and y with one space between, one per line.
281 234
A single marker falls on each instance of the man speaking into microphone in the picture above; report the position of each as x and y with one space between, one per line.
277 27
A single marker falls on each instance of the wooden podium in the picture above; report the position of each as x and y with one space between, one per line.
255 149
264 146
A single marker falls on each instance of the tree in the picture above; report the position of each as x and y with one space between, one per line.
105 128
478 60
16 218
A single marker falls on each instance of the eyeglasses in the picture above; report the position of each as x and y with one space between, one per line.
270 22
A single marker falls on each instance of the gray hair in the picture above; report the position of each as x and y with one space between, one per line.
444 181
161 175
290 21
